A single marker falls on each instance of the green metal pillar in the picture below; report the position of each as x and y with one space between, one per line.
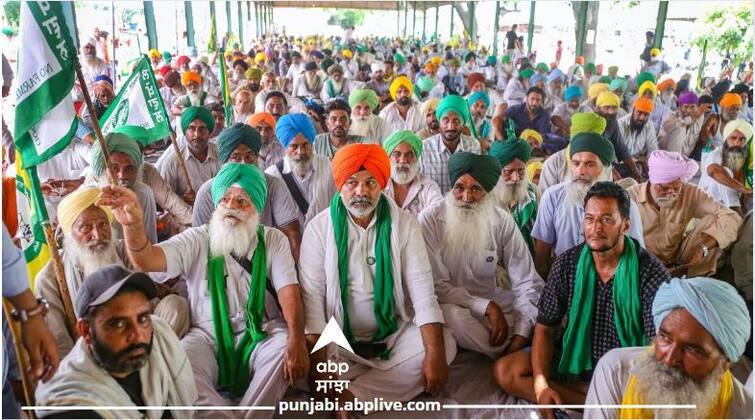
149 20
264 18
189 24
406 16
451 34
424 24
272 17
437 17
496 27
228 20
398 18
581 28
213 27
414 18
660 24
241 25
531 27
472 15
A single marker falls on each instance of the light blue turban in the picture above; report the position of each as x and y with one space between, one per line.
572 92
289 125
476 96
618 83
537 77
556 74
715 304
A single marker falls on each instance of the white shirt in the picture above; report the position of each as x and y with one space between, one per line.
423 193
394 122
639 143
377 130
728 197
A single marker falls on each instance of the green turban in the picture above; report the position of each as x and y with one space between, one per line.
543 67
505 59
595 143
363 95
403 136
484 169
249 177
456 104
526 73
234 135
424 84
506 151
167 57
604 79
590 67
399 59
644 77
116 143
587 122
192 113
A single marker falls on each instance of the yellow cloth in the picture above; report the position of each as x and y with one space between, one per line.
720 409
154 53
607 98
648 85
347 53
260 57
436 60
190 76
397 83
533 167
71 207
526 134
596 89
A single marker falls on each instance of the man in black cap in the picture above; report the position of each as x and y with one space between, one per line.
124 356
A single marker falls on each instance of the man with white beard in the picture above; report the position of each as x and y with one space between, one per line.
336 86
364 264
411 190
89 244
724 169
514 193
306 174
91 66
310 83
558 226
195 96
555 91
246 338
668 202
467 237
363 121
666 93
702 328
680 130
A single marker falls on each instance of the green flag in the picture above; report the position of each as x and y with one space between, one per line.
225 91
212 43
139 104
45 119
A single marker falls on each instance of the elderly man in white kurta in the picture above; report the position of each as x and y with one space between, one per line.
467 237
363 122
411 190
236 319
403 113
364 264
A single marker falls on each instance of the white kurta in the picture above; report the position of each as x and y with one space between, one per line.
556 170
394 122
377 131
639 143
729 197
423 193
679 134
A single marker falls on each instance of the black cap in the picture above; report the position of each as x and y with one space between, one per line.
100 286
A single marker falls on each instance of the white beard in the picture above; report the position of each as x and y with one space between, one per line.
664 202
507 194
299 167
230 236
734 161
360 211
360 126
87 259
406 175
467 230
659 384
577 191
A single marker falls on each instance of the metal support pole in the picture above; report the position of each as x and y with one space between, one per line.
228 21
660 24
189 24
531 27
472 16
257 23
581 29
398 18
414 18
496 27
406 16
149 21
424 24
437 17
451 34
213 27
272 17
241 25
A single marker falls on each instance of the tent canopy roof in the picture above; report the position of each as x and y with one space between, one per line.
372 5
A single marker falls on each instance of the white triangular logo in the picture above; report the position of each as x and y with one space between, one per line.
332 334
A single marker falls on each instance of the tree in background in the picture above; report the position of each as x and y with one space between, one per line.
12 11
588 52
728 30
346 18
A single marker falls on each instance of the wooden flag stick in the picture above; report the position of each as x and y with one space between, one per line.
181 161
21 356
60 279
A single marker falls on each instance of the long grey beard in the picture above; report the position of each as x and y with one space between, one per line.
194 98
404 174
507 194
659 384
230 237
576 192
299 167
88 260
360 127
467 231
733 160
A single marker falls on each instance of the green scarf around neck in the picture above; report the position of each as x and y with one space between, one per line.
383 301
332 90
233 361
627 309
525 217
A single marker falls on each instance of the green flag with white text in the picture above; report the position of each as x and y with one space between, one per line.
139 103
45 119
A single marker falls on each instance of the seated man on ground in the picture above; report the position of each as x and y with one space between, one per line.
364 122
702 326
338 120
124 357
271 151
724 169
605 288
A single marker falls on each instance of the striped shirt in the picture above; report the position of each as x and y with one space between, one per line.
435 156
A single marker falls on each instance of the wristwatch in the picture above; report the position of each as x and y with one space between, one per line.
705 251
24 315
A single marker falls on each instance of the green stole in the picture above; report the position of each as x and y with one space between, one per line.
202 98
332 90
383 296
525 217
627 309
233 361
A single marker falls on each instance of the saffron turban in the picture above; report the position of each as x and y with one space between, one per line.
715 304
596 89
644 105
645 77
506 151
397 83
197 112
580 60
532 168
587 122
353 158
190 76
730 99
665 167
647 86
72 205
666 84
238 133
248 177
528 133
290 125
363 95
594 143
403 136
688 98
454 103
485 169
430 68
429 105
477 96
618 83
261 117
572 92
473 78
738 125
607 98
115 143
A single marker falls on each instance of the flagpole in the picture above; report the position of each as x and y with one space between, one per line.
20 359
60 277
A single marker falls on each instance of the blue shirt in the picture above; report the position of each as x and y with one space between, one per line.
541 123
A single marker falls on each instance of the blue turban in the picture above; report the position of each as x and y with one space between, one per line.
103 78
715 304
289 125
572 92
556 74
537 77
476 96
618 83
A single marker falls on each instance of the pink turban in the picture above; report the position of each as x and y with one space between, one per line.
666 167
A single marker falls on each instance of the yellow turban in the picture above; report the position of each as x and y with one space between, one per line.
596 89
645 86
260 57
397 83
436 60
533 167
347 53
71 207
190 76
154 53
526 134
607 99
655 52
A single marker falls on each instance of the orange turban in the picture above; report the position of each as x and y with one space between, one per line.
579 60
353 158
189 76
665 84
731 99
262 117
430 67
644 105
